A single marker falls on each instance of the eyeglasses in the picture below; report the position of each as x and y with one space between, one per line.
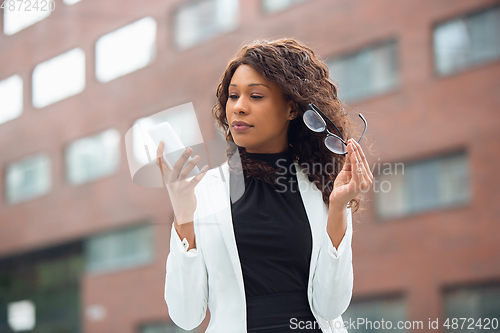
314 119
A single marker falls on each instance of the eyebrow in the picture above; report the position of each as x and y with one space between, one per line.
252 84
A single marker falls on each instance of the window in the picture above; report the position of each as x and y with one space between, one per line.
125 50
162 328
367 315
200 20
466 41
271 6
422 186
40 290
119 249
366 73
59 78
71 2
16 18
28 178
21 315
475 302
93 157
11 98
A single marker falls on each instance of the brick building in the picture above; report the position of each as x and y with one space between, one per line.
84 248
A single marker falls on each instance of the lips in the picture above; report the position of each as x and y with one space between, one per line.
240 126
239 123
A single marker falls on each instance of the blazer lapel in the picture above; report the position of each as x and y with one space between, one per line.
315 208
219 195
317 213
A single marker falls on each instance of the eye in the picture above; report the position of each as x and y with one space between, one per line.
233 96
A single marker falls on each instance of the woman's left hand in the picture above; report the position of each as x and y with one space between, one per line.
354 178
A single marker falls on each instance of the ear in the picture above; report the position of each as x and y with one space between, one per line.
291 113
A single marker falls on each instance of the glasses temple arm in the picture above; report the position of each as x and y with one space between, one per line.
366 125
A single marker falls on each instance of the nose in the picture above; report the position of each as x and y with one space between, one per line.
240 106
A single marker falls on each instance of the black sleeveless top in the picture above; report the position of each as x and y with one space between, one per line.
274 242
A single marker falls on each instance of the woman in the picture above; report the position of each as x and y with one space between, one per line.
279 258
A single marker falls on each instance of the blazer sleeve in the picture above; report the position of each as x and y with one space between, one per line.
186 283
333 278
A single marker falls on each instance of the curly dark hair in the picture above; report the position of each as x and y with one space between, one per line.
303 79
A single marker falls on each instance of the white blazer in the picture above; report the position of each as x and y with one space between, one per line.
211 274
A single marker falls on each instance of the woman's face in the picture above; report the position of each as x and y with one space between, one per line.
261 104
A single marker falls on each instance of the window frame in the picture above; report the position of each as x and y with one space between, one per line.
107 175
99 269
294 4
172 17
440 206
22 160
461 16
370 46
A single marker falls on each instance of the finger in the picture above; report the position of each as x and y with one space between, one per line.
361 172
159 161
364 171
180 163
359 177
349 164
187 169
363 159
159 150
193 182
348 161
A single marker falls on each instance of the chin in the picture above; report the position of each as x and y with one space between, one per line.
239 143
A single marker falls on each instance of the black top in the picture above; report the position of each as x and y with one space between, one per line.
274 242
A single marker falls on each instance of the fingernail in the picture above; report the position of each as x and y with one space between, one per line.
204 168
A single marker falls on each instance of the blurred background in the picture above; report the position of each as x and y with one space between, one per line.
83 248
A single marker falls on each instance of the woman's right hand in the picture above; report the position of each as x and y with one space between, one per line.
180 190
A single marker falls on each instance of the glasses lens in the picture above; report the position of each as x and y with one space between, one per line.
335 145
314 121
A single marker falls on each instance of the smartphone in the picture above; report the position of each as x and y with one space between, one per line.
172 145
